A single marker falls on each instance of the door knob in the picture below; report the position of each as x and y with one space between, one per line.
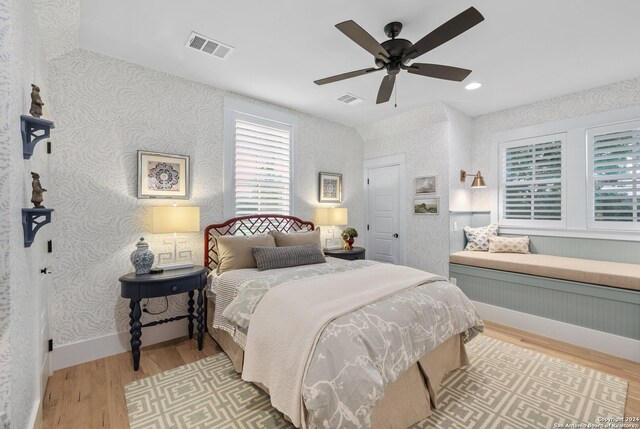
395 235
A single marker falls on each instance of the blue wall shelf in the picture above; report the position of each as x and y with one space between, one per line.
31 223
33 130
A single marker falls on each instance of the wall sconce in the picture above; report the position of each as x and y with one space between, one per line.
478 180
175 219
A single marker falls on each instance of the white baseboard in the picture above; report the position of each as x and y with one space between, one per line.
35 419
604 342
97 348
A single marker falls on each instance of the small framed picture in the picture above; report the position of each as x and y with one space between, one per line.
330 188
426 205
425 185
163 175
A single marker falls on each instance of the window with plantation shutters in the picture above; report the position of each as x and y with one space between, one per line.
532 181
258 159
262 168
614 176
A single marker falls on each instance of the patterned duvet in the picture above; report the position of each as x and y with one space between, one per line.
357 355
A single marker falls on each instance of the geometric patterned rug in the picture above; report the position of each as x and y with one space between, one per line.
505 386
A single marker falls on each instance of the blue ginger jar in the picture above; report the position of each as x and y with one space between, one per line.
142 257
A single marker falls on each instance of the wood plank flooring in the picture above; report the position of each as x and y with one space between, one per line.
91 395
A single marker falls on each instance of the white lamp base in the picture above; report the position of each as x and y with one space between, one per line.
176 266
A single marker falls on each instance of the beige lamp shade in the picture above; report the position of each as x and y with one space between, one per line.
330 216
175 219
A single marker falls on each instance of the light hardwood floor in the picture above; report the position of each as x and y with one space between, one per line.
91 395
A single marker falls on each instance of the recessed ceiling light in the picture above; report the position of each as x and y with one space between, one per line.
473 85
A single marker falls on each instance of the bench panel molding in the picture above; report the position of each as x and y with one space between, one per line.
611 310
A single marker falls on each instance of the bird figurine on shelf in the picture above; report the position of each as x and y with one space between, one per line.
38 190
36 102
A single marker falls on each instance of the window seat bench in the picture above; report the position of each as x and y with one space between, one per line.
591 303
603 273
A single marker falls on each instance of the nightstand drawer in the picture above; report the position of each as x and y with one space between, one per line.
169 288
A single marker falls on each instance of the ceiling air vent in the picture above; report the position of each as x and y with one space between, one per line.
209 46
350 99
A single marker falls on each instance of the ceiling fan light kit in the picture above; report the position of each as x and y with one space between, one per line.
395 54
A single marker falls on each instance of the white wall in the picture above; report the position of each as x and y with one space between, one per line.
423 136
106 110
5 198
22 63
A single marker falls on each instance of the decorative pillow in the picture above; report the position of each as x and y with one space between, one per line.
509 244
234 252
268 258
478 238
284 239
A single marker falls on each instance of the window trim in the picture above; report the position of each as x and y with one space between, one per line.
239 109
502 146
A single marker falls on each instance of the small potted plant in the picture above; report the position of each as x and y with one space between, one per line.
348 235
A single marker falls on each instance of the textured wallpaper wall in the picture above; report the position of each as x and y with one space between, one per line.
23 63
107 109
602 99
423 135
5 225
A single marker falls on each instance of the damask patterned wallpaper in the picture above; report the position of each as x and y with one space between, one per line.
602 99
107 109
423 136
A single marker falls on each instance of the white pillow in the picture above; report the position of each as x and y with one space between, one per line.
478 238
509 244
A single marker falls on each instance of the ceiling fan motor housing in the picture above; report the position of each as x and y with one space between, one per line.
396 49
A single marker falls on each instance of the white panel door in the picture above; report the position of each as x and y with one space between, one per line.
383 214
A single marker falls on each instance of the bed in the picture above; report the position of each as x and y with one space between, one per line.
405 387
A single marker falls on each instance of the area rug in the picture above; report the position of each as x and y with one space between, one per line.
505 386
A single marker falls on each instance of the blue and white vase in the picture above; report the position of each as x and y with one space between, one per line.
142 257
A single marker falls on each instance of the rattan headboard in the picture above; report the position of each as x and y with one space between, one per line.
247 225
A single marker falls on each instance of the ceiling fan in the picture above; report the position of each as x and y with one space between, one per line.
394 54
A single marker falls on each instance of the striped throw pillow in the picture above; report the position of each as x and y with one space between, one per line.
268 258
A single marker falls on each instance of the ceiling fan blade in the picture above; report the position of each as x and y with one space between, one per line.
447 31
386 88
358 34
345 76
439 71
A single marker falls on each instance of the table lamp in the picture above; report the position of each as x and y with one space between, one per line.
175 219
331 216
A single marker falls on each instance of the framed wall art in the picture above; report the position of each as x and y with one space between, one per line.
330 188
426 205
163 175
425 185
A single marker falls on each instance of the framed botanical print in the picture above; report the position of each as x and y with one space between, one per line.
330 188
163 175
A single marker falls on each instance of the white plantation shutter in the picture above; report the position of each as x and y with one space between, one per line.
262 168
614 176
532 181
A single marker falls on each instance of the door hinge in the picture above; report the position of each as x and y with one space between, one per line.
49 147
367 227
49 246
50 344
367 181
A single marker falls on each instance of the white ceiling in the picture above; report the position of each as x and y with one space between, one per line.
524 51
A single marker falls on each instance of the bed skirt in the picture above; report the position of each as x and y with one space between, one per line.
406 401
